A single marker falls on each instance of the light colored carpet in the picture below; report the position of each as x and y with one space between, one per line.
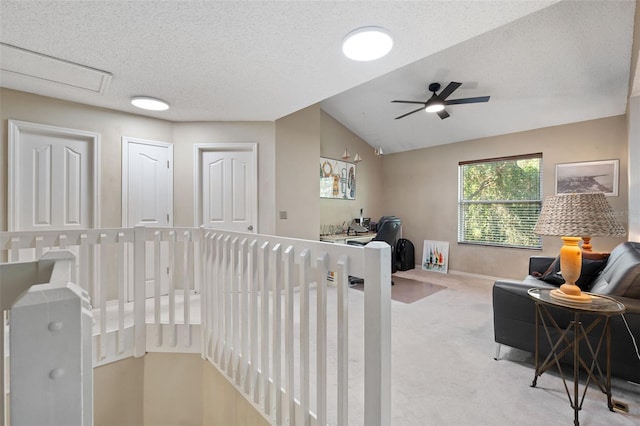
443 371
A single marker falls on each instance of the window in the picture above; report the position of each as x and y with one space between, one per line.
500 200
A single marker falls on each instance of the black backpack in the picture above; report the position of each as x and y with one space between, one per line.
405 255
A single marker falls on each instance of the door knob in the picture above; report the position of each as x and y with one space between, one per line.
250 228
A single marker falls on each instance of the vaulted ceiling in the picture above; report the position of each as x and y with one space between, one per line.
543 63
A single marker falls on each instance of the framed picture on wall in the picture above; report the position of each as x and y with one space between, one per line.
590 176
337 179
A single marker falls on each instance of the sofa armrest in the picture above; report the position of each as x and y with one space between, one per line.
540 263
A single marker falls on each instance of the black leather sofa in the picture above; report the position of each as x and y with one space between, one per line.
514 311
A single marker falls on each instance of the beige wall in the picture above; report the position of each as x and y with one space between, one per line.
633 124
185 135
112 125
173 389
302 138
422 185
168 389
334 138
118 393
297 181
223 404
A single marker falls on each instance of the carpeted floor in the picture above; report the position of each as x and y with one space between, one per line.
407 290
444 372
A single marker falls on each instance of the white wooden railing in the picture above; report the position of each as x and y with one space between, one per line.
265 317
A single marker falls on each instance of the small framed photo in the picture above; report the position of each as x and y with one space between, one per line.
590 176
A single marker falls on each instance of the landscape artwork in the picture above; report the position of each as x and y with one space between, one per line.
337 179
435 256
592 176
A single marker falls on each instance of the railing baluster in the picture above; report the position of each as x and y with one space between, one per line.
276 347
102 286
253 341
14 249
288 340
235 308
121 290
321 346
139 291
244 315
188 278
39 242
172 289
305 386
217 284
203 281
84 265
264 335
227 277
157 283
342 278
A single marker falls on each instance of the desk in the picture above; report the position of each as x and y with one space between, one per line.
344 238
603 308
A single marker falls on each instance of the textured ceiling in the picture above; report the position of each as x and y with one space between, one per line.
542 62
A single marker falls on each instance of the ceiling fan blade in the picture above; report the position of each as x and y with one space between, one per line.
443 114
410 102
409 113
467 100
449 90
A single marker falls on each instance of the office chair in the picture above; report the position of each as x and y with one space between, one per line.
389 232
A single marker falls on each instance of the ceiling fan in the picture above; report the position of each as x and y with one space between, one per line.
437 102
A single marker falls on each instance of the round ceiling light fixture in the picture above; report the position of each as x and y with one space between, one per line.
367 43
148 103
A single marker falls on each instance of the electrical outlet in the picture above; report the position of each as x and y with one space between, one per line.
283 214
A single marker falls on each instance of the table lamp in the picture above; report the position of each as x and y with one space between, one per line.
571 216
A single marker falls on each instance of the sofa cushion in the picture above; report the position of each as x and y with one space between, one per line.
621 276
592 264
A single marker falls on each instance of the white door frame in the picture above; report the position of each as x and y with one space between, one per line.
16 127
126 140
200 148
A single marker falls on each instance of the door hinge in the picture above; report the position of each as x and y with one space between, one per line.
167 164
167 217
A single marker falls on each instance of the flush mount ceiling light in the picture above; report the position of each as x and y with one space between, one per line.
151 104
367 43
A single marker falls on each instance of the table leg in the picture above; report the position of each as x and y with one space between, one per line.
537 345
576 367
608 367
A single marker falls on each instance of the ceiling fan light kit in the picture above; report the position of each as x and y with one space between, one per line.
437 102
367 43
434 105
149 103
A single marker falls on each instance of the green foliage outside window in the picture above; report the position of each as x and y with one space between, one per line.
500 201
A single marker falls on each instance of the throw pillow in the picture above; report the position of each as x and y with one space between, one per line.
592 265
552 275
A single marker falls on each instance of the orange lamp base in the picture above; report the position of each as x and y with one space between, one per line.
578 298
570 265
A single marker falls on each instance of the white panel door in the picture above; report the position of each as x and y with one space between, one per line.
149 183
52 179
147 198
228 189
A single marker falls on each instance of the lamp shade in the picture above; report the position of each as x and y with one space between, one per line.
582 214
